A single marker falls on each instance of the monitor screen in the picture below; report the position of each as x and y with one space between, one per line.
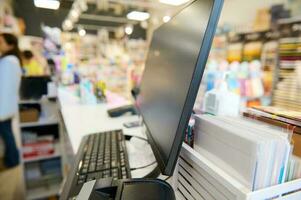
173 72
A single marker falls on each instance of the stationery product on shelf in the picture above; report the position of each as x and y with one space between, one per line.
262 20
269 61
281 114
288 121
294 169
87 94
33 172
35 146
255 155
43 174
252 50
244 79
234 52
221 101
189 135
287 92
51 167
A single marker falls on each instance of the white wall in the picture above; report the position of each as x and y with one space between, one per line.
242 12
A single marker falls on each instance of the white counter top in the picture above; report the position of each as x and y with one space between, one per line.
81 120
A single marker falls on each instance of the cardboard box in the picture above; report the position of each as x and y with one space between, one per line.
29 115
296 141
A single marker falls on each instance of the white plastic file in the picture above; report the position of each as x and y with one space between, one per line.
196 176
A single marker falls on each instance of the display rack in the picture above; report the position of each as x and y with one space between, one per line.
286 92
41 193
196 177
50 186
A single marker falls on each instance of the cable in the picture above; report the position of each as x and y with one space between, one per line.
141 138
128 137
166 179
136 168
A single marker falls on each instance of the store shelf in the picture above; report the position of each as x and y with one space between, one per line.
38 158
43 192
57 154
36 101
41 122
31 101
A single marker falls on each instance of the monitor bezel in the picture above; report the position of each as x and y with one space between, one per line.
168 168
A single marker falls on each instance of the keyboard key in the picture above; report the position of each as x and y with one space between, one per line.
106 173
92 167
79 182
115 175
99 167
107 166
82 177
84 170
92 176
90 179
99 175
113 164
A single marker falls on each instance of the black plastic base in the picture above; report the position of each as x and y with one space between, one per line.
132 189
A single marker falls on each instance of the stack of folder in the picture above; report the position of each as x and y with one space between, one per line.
287 120
254 154
294 168
290 122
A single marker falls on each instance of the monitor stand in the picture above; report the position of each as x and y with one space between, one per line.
132 189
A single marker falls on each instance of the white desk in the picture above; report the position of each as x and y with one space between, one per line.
81 120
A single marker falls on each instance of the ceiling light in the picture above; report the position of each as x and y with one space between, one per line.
166 19
82 32
48 4
137 15
174 2
128 29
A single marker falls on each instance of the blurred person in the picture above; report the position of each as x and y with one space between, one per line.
10 78
30 65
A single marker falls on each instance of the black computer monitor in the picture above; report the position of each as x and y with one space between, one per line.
34 87
173 72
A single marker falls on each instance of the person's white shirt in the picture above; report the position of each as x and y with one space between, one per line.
10 77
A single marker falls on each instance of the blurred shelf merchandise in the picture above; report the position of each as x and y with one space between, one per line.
247 62
116 63
273 80
287 92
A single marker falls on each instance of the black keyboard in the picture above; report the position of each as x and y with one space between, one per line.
104 156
